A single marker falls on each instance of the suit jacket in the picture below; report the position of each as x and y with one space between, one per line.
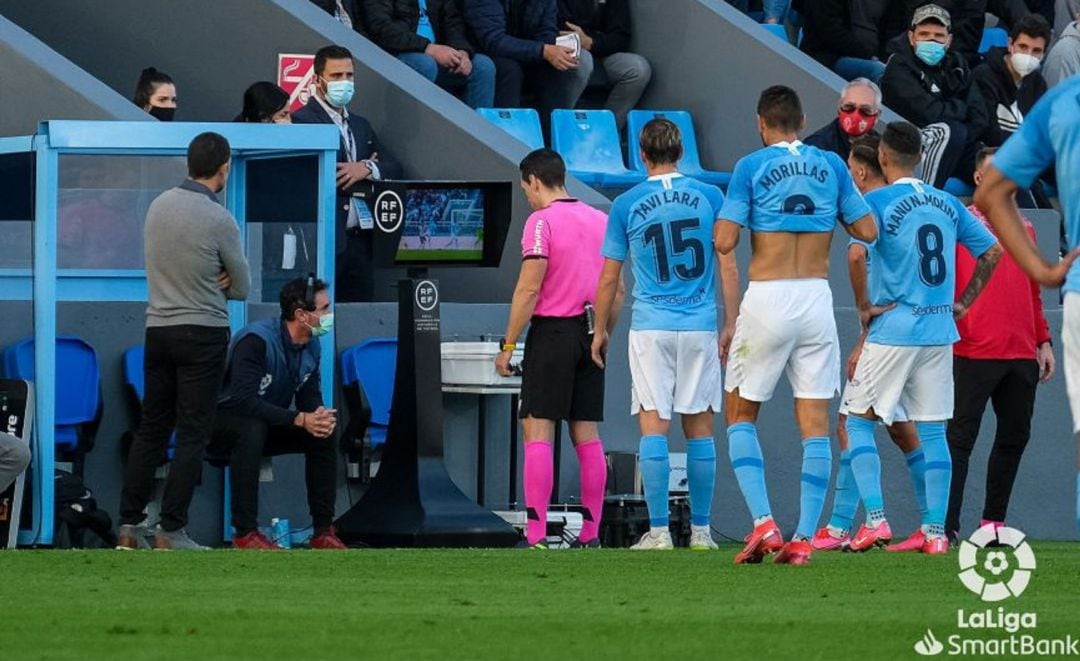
391 24
367 143
514 29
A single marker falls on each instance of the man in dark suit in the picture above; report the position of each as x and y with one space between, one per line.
360 158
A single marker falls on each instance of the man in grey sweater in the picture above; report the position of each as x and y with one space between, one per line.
194 263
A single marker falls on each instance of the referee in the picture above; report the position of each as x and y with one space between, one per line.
555 292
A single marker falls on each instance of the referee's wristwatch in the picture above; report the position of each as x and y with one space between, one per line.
504 345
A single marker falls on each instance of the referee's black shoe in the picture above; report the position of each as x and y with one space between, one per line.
593 543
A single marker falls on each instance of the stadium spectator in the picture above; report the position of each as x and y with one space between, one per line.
155 93
1004 352
272 404
345 11
741 5
520 36
265 103
360 157
857 113
1065 12
776 11
1064 58
968 20
927 83
194 264
429 36
845 36
1007 85
605 31
555 293
14 458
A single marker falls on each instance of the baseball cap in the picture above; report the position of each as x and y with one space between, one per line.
931 12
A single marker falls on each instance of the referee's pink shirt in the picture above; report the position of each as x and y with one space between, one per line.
568 233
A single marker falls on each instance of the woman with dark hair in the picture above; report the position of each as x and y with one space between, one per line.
265 103
156 94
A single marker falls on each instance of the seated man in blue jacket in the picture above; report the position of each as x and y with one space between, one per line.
519 35
271 404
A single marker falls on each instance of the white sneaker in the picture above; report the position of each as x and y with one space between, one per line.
654 541
701 539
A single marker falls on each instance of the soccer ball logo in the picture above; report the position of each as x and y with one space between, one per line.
996 572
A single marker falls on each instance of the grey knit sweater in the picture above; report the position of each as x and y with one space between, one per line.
189 239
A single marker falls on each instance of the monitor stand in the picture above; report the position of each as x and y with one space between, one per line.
412 502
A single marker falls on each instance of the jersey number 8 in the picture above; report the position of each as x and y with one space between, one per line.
931 255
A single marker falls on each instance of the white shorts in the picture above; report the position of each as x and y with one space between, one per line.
920 379
675 371
785 326
899 415
1070 339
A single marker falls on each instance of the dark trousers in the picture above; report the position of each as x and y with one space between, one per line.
183 368
1010 386
355 269
246 440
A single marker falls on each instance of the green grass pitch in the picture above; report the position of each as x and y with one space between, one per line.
417 255
504 604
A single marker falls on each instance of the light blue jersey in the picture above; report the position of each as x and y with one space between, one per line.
792 187
665 225
1050 135
914 262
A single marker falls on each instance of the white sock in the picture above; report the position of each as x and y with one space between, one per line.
657 531
694 528
836 533
762 519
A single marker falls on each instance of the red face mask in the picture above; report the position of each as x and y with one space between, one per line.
855 123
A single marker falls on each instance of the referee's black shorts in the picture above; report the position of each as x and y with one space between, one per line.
559 380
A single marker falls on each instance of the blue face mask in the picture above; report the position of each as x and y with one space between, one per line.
339 92
930 52
326 322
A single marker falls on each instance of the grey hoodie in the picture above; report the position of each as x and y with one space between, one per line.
1064 58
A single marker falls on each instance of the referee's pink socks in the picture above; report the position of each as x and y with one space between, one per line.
593 480
538 477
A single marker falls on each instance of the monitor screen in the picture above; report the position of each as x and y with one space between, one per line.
443 224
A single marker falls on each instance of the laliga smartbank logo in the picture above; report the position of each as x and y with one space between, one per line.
997 565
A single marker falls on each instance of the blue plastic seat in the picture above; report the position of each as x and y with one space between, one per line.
776 30
134 377
588 141
690 165
521 123
371 365
78 387
958 188
992 37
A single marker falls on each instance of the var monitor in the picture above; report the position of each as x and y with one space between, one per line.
439 223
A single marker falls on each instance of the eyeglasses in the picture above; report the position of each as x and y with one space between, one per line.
865 111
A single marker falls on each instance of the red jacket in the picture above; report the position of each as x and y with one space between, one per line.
1006 321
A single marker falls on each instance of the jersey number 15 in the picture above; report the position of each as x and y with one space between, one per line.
661 235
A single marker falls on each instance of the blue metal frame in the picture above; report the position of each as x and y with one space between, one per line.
46 285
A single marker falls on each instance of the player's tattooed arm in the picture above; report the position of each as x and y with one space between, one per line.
984 268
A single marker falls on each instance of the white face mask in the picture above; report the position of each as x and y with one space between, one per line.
1024 64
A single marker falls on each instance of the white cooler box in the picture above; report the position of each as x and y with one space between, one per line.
473 364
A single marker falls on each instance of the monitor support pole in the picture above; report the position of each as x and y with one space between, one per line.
412 502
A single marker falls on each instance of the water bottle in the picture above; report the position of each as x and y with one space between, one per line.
280 533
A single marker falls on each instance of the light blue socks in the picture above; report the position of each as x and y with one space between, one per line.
655 474
745 453
701 478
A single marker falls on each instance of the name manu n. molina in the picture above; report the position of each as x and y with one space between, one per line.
914 201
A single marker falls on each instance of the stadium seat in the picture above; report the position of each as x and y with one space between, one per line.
958 188
589 142
690 165
521 123
78 388
367 370
776 30
993 37
134 379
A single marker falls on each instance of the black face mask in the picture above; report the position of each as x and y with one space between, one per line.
162 114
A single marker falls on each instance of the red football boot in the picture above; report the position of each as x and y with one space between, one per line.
254 541
327 539
794 553
825 541
914 542
879 535
936 545
765 539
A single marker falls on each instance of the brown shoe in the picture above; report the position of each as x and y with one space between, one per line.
132 538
